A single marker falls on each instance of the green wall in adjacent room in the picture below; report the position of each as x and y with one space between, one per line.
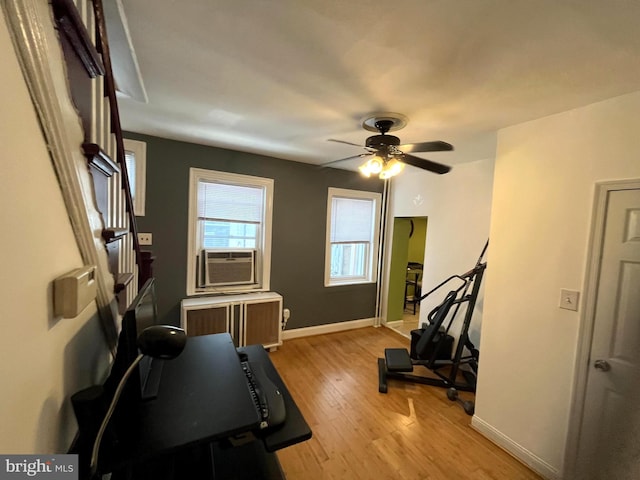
398 268
418 240
409 239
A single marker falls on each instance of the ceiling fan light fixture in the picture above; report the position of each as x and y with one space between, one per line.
376 165
392 168
372 166
387 154
364 170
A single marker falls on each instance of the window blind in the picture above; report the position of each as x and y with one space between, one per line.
352 220
236 203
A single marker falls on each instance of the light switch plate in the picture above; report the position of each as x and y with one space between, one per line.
569 299
145 239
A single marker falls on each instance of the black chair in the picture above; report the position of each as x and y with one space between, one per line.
413 285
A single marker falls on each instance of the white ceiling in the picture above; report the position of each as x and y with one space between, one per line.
281 77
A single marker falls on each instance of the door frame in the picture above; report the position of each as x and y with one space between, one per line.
586 326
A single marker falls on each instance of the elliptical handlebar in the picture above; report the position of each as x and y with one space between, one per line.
444 283
465 277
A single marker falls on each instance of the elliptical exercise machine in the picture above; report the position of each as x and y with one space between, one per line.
431 345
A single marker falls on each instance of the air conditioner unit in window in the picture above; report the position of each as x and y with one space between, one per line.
228 267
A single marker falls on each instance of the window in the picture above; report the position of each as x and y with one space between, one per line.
135 154
228 212
353 226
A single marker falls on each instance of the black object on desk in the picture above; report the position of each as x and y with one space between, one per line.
203 398
294 429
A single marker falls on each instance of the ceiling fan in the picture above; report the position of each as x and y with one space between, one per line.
386 156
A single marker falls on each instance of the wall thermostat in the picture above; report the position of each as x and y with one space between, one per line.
73 291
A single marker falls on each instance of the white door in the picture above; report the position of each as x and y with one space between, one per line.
609 444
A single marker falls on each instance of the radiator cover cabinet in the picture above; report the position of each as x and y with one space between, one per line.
252 318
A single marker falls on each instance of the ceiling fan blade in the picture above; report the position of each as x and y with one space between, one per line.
425 164
436 146
345 159
343 141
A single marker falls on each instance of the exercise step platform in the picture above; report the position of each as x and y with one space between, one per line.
398 360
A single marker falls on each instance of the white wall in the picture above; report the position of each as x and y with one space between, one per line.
542 204
458 207
44 359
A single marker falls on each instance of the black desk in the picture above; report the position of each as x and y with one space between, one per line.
203 398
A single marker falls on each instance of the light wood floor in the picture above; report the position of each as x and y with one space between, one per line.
412 432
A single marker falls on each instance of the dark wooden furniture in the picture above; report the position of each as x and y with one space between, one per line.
413 285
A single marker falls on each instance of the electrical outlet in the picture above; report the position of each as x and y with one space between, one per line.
569 299
145 239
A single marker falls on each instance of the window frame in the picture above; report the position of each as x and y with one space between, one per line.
139 151
371 263
263 260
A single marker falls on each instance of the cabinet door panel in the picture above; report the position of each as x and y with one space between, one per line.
207 320
262 323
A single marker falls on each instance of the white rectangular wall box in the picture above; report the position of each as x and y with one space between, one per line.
73 291
145 238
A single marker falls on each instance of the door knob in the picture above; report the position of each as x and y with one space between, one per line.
602 365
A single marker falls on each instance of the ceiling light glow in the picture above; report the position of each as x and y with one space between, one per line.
384 169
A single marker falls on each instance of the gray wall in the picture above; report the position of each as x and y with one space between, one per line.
299 222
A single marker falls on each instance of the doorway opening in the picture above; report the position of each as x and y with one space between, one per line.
405 273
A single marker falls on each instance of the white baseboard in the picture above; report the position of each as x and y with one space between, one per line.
395 323
328 328
525 456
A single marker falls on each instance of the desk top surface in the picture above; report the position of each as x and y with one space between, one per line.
203 396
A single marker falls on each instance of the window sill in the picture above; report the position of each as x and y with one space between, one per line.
346 283
225 291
